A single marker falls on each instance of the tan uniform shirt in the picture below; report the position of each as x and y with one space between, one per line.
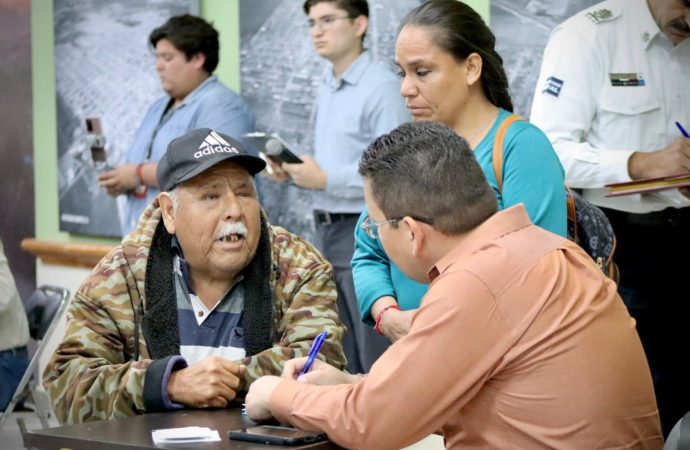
521 342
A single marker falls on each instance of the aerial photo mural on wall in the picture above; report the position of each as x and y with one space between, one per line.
104 69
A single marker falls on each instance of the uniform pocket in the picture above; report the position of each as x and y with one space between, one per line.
629 100
630 117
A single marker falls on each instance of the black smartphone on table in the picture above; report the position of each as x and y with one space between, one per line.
277 435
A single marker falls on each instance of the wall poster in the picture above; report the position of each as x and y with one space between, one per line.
281 85
522 29
104 68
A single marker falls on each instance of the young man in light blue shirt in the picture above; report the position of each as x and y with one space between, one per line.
359 100
186 50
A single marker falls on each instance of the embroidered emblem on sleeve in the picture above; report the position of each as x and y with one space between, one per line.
553 86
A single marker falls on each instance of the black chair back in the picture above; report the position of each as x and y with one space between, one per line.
41 308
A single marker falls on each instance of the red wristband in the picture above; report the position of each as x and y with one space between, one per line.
379 316
141 189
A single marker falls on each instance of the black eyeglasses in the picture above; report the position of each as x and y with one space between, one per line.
371 228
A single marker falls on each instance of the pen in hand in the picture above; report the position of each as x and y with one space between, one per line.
315 347
682 130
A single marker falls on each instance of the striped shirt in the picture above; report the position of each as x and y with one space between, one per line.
203 331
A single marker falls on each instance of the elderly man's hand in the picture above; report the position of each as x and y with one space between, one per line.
258 400
119 180
212 382
308 174
320 373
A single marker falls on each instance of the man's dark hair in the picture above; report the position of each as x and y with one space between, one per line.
459 30
190 35
353 8
426 170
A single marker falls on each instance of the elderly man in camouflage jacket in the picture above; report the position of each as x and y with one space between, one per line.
201 299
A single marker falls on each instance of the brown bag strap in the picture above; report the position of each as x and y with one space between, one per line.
497 157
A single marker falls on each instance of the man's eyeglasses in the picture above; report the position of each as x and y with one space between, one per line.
326 22
371 228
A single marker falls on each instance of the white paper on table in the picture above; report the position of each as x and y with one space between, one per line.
184 435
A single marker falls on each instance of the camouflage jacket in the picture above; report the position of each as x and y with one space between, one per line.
97 372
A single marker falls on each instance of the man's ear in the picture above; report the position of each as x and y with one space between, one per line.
199 59
167 211
416 234
473 64
362 22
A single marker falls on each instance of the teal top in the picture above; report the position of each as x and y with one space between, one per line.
532 175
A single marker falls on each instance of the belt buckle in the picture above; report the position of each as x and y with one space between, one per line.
324 217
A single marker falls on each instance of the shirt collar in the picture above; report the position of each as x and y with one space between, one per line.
192 96
352 74
648 28
181 266
500 224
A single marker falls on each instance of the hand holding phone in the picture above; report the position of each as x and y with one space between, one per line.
273 147
277 435
96 143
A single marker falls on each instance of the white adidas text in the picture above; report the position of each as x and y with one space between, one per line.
211 149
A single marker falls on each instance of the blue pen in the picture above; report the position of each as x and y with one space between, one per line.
682 130
315 347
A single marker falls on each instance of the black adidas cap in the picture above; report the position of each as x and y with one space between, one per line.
197 151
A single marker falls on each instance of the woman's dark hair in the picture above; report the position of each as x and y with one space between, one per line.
190 35
460 30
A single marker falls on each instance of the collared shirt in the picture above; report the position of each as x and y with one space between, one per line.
203 331
211 105
532 175
612 83
14 328
521 342
350 112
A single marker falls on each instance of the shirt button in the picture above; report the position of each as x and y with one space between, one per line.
200 314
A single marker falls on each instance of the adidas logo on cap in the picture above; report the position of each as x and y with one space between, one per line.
213 143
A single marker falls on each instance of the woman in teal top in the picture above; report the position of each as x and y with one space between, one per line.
451 74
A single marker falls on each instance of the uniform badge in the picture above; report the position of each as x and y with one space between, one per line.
599 15
553 86
627 79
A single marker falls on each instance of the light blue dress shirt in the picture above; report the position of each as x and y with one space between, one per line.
211 105
351 111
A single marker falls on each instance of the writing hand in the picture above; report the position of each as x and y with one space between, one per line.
321 373
671 160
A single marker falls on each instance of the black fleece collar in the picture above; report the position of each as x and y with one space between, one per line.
159 323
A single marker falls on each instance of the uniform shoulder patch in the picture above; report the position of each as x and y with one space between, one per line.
601 15
553 86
